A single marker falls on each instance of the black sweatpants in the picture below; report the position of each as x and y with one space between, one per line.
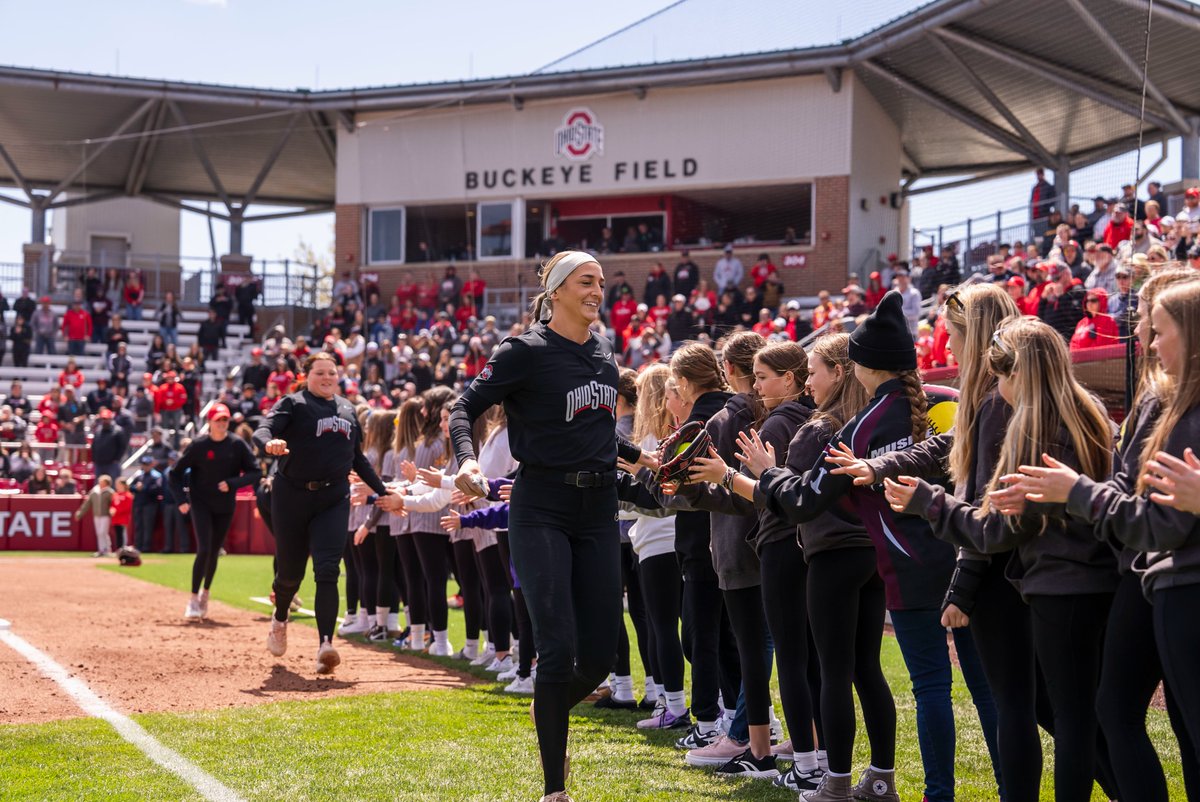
309 523
661 588
470 586
497 587
414 580
432 554
785 598
845 606
637 614
211 528
524 634
567 552
1177 631
1068 633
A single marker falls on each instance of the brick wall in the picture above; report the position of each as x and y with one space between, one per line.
826 267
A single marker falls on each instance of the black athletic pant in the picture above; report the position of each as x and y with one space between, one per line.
145 518
369 578
432 552
211 529
386 589
567 552
710 647
1177 631
746 614
524 634
414 581
470 586
661 588
1068 633
637 614
845 606
785 598
497 591
353 572
506 561
309 523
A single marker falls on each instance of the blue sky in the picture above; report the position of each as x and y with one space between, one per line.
357 43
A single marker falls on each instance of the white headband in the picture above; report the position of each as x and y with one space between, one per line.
564 267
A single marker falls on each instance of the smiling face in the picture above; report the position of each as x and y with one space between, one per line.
822 379
323 378
1168 341
578 299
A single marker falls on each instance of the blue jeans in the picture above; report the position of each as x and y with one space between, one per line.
75 347
922 641
43 345
739 728
133 311
170 336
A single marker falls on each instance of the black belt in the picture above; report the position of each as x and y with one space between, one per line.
310 486
577 479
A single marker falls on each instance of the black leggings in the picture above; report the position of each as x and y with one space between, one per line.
785 598
435 571
309 523
211 529
637 614
1068 633
1129 676
1003 634
470 586
748 619
1177 631
661 588
709 645
368 565
524 634
496 588
845 606
414 582
377 556
567 553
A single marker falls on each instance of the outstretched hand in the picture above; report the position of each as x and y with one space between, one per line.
707 469
756 455
1049 485
1176 480
899 492
849 464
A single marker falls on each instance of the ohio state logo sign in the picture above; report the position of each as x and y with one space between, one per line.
580 136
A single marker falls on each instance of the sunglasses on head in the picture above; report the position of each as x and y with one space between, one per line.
953 300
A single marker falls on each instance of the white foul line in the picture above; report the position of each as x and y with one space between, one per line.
208 786
267 601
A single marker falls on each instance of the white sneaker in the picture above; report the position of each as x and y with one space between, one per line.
505 676
520 685
327 658
497 665
353 625
203 604
485 657
277 638
468 652
443 649
192 613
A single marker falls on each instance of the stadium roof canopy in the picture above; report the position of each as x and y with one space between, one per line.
977 87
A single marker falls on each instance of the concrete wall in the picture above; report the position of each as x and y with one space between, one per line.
151 228
777 131
875 160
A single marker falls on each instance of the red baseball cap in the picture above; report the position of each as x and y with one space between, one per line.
256 352
218 411
1193 192
106 413
1015 281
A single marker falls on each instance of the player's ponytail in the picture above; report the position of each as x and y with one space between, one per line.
918 404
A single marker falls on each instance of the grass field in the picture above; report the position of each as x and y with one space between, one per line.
467 744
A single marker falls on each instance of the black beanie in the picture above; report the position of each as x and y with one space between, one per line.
883 341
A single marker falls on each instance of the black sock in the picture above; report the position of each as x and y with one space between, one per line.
552 709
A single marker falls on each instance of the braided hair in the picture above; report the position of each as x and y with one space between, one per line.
917 402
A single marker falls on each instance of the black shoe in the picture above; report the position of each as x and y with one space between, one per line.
646 704
796 781
747 765
378 634
697 738
610 702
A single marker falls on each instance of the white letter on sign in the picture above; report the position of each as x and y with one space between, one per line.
60 524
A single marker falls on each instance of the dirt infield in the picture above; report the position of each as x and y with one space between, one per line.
126 639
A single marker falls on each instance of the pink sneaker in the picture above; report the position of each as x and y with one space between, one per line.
783 750
717 753
665 720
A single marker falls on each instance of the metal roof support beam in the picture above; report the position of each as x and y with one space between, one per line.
982 88
963 182
346 120
834 76
24 204
1118 148
1190 157
202 155
139 165
82 199
1115 48
22 184
952 109
1055 74
324 134
175 203
272 157
318 209
1172 12
105 143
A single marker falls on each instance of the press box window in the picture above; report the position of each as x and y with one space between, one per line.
386 235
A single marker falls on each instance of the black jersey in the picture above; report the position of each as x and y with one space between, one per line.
211 462
324 440
560 398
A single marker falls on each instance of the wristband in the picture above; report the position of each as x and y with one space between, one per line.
727 482
371 499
